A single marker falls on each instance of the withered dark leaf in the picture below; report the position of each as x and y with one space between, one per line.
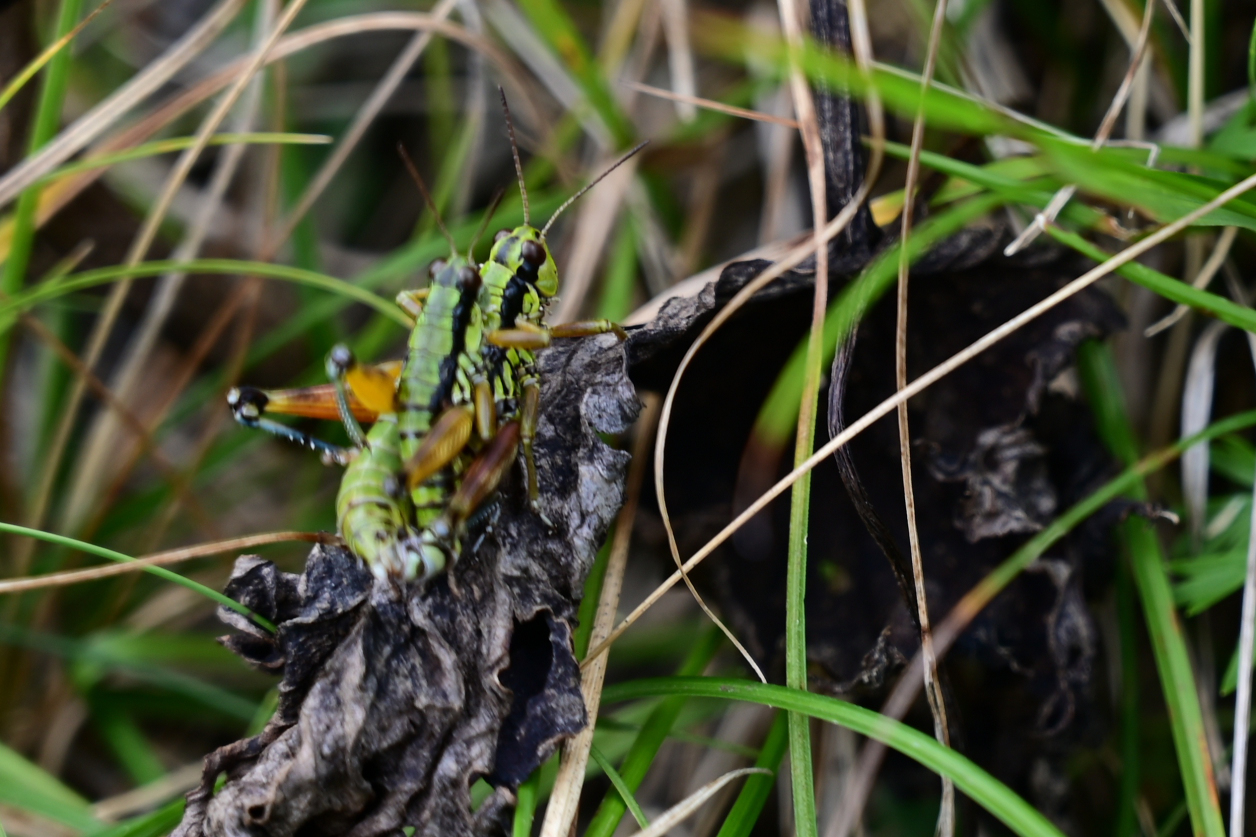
395 700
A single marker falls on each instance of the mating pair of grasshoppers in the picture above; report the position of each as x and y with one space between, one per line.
448 419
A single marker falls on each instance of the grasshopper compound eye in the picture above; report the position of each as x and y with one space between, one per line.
533 253
435 268
469 278
499 235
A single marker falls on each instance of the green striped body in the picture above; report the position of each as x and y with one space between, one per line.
442 355
380 521
519 280
372 512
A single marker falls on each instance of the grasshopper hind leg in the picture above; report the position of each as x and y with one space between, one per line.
247 406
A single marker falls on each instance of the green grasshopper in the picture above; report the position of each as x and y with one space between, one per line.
519 281
470 360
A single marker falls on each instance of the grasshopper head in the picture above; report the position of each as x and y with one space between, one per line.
523 250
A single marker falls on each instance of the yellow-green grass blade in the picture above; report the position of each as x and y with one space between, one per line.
43 128
28 787
166 146
1166 286
1177 679
103 276
552 23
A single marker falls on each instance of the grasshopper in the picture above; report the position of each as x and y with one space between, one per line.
470 363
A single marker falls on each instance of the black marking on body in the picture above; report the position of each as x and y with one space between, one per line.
469 290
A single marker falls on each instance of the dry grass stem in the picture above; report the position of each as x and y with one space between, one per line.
100 447
787 262
159 559
675 20
914 388
362 120
82 489
128 419
146 797
594 225
93 123
63 191
711 104
933 690
564 801
684 809
1217 258
1062 197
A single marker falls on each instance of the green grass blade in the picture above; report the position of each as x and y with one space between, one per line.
757 788
552 23
944 109
129 746
92 662
47 118
621 275
1164 285
1152 580
157 824
1165 195
166 146
653 733
992 178
525 807
1127 616
27 787
800 766
592 595
160 572
625 793
102 276
1013 811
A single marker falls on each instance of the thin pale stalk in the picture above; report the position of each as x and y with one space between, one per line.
565 798
1247 641
362 120
1062 197
682 810
711 104
937 701
139 248
159 559
309 37
100 447
93 123
1201 280
675 19
1195 73
43 129
914 388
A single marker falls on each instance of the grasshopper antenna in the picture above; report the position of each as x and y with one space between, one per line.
599 179
488 216
431 204
514 149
